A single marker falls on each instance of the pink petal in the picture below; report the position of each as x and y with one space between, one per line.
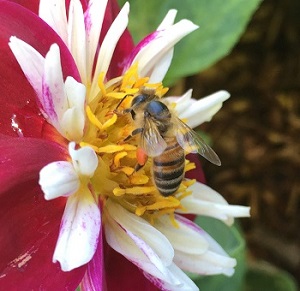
94 278
29 228
16 93
22 158
30 224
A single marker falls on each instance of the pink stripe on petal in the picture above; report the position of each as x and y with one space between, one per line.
16 92
128 62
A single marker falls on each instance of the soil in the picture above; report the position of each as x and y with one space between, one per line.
257 132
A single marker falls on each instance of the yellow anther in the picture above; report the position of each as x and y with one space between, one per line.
141 82
139 179
134 190
173 220
118 157
101 83
116 95
127 170
189 166
92 118
129 147
109 149
110 122
86 144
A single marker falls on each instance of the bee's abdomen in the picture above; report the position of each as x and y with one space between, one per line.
168 169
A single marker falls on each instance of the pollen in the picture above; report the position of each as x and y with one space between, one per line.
108 131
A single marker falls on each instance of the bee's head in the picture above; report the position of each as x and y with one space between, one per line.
139 99
158 110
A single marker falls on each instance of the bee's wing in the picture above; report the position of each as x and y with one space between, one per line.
191 142
151 140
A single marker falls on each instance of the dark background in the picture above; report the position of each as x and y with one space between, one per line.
257 132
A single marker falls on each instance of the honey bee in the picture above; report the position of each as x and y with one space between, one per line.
165 138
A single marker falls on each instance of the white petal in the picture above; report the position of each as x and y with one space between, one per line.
30 61
141 228
204 109
213 261
72 124
205 201
79 232
73 120
187 237
54 13
54 101
184 282
209 263
182 103
168 20
93 18
77 37
108 46
85 160
151 54
58 179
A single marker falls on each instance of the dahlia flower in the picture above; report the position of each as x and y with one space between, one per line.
73 208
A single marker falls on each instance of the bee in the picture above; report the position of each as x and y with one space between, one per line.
165 138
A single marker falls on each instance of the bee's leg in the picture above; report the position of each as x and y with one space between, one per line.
142 158
135 132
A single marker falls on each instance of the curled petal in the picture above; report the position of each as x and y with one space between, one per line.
213 261
59 179
79 231
53 99
198 111
195 244
138 250
205 201
73 119
186 284
154 48
85 160
138 228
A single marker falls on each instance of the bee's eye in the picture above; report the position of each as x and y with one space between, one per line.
139 99
157 108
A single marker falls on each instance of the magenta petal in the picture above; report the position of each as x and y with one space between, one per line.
16 92
196 173
29 223
121 274
29 229
22 159
94 278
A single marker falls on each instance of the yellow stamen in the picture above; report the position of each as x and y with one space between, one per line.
134 190
118 157
101 84
92 118
109 122
139 179
109 149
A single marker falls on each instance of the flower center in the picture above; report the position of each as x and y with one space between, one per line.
109 133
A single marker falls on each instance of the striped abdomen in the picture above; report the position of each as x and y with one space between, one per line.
168 168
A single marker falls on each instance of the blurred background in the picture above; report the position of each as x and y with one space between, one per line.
257 132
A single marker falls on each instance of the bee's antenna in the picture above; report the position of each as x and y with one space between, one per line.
121 101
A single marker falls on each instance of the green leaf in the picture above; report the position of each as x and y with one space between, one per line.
230 238
263 276
221 25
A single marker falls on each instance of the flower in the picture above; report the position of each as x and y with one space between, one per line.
69 190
